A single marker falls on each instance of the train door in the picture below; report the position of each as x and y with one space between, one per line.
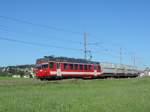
59 69
95 70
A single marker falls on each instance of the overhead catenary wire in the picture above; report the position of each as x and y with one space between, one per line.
47 27
3 26
38 44
40 25
3 29
43 45
106 50
46 37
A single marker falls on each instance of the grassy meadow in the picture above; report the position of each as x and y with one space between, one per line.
107 95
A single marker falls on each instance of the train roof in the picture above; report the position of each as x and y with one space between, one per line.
65 59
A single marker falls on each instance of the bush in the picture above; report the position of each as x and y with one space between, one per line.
5 74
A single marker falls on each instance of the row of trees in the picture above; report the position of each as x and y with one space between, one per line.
21 70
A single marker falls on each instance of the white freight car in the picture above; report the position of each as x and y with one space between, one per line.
118 70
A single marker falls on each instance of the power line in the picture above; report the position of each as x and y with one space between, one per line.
39 25
42 45
64 40
3 29
38 44
3 26
54 37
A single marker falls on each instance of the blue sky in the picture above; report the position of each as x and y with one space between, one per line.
111 23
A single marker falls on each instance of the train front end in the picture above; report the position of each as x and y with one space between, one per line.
42 70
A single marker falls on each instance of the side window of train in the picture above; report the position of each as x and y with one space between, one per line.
76 66
71 66
81 67
51 65
85 67
90 67
58 65
66 66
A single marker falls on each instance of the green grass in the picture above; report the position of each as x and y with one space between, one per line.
111 95
4 74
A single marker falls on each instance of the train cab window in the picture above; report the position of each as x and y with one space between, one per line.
66 66
45 66
51 65
81 67
85 67
71 66
38 67
76 66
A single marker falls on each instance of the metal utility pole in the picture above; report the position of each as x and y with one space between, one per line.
134 61
120 55
85 45
89 55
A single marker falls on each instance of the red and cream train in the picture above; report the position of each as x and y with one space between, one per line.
62 67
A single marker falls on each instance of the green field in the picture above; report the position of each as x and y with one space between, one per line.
109 95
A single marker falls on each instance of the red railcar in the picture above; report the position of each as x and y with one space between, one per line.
62 67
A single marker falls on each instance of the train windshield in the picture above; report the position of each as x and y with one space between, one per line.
45 66
38 67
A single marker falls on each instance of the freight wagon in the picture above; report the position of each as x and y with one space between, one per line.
118 70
